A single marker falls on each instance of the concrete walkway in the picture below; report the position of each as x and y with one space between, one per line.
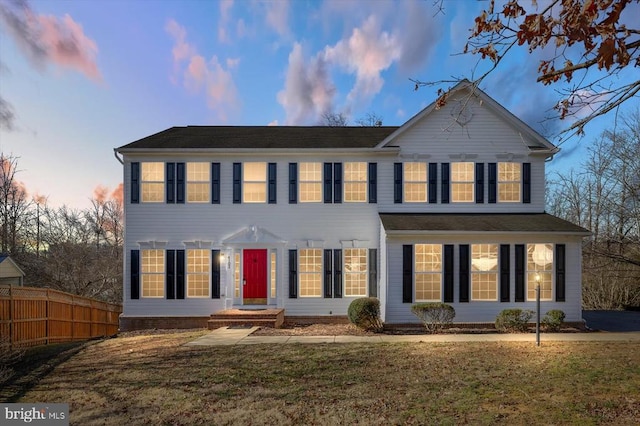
242 336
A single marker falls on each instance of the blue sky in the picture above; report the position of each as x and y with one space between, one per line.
84 77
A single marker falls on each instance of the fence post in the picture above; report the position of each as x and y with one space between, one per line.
11 316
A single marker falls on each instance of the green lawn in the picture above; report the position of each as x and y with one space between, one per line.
155 380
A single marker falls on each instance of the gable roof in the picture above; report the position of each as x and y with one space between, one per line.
541 143
262 137
539 223
8 264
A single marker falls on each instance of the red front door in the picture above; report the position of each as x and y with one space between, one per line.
254 274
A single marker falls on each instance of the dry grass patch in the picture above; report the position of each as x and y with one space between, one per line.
156 380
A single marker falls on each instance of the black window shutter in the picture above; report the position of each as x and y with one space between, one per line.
180 184
526 183
464 273
561 250
293 183
293 274
407 273
479 183
505 272
272 181
237 183
444 196
337 273
433 183
493 182
135 274
215 183
448 273
373 183
337 183
328 273
180 278
135 183
215 274
170 187
170 276
520 272
397 183
328 183
373 272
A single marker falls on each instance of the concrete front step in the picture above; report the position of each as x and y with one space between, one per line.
238 317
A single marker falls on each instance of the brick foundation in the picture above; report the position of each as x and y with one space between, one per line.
142 323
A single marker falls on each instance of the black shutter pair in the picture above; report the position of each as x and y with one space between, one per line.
175 183
560 266
271 183
465 275
479 182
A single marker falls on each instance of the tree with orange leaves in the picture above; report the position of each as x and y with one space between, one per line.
584 43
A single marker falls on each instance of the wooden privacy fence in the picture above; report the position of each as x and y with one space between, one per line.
32 316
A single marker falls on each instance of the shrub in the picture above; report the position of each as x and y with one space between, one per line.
434 316
365 313
513 319
553 320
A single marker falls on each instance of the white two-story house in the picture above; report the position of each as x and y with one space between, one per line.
448 207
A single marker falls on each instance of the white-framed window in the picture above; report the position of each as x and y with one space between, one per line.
273 275
355 182
236 274
152 182
198 181
310 272
152 273
414 175
198 267
484 272
509 182
310 188
254 182
462 182
356 272
428 272
540 271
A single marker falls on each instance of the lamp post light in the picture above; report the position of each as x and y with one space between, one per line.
537 278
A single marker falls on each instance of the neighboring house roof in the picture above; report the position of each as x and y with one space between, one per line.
465 223
7 265
262 137
540 143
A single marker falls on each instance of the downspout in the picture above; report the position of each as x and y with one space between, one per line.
115 153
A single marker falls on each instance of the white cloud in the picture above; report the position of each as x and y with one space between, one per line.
278 16
48 39
201 76
308 91
225 7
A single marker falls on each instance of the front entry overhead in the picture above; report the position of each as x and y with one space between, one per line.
254 275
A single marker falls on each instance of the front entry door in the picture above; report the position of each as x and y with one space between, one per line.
254 274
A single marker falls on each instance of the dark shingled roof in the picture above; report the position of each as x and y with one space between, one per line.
500 222
263 137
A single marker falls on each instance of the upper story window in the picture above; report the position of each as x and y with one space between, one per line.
254 183
310 267
310 175
484 272
355 272
415 182
198 178
152 182
152 272
462 182
198 264
355 182
540 271
428 272
509 182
